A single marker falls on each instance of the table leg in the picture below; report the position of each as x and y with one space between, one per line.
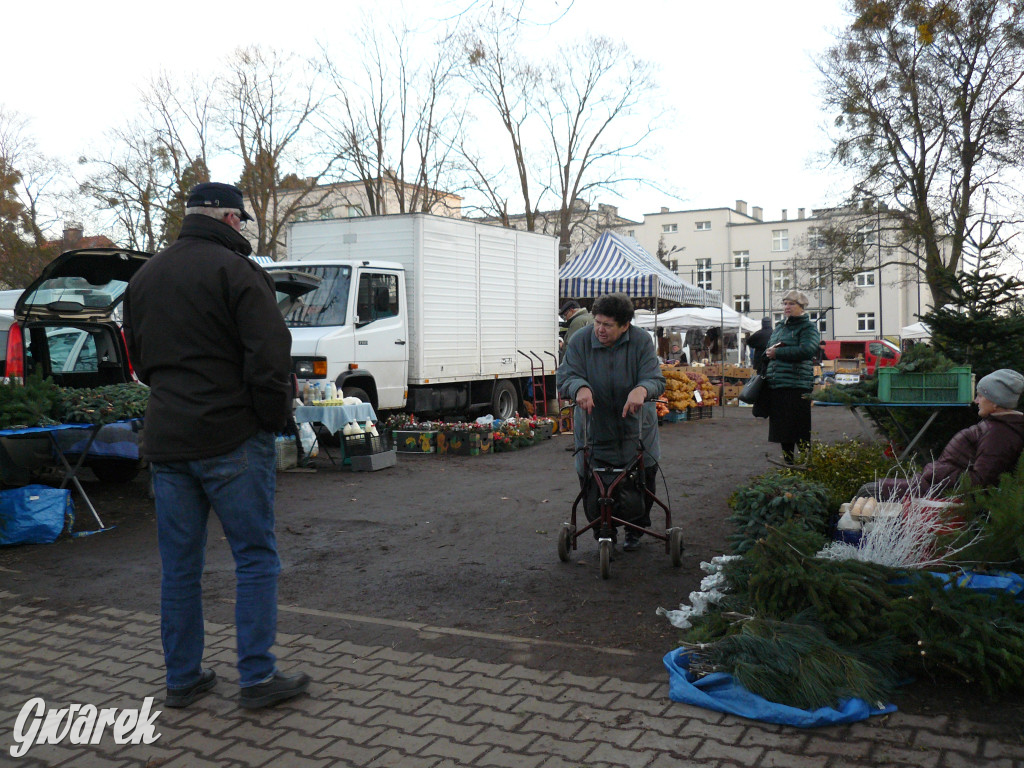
920 433
320 443
71 473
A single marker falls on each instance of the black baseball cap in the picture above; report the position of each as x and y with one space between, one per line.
213 194
567 305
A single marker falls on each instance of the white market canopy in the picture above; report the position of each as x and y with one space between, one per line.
615 263
916 331
688 318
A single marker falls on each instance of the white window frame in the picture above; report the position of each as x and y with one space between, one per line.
782 280
817 277
780 240
669 228
865 322
820 319
815 240
741 259
704 273
777 317
703 226
865 279
741 302
866 234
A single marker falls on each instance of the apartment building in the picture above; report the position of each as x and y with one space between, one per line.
754 262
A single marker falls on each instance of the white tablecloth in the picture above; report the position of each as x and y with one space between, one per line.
335 417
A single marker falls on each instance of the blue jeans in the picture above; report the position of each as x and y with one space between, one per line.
239 486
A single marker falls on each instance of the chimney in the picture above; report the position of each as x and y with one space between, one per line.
741 207
800 213
785 214
758 213
73 233
664 209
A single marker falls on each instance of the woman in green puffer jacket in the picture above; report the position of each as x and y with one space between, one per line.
791 352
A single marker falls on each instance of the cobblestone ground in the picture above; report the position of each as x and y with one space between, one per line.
404 695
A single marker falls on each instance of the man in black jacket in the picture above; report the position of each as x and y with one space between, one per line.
204 332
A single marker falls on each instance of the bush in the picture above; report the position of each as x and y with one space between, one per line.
998 514
842 468
772 500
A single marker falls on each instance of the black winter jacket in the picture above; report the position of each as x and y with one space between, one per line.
205 333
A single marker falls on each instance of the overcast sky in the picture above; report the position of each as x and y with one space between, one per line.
740 76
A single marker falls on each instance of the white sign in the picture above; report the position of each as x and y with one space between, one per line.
82 724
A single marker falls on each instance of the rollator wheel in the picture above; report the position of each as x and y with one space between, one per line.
565 542
675 546
606 559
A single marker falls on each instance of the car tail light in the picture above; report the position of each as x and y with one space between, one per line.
15 354
131 369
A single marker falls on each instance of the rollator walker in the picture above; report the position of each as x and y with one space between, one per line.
612 485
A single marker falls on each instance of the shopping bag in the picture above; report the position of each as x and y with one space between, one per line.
34 514
752 389
763 405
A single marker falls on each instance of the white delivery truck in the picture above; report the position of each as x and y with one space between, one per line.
425 313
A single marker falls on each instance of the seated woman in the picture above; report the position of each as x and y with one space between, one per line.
982 452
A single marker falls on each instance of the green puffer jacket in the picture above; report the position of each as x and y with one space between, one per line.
793 366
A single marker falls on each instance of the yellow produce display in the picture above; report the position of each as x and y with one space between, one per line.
680 386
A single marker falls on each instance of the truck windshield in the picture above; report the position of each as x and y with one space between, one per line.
326 304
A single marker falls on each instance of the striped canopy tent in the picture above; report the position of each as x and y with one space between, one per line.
615 263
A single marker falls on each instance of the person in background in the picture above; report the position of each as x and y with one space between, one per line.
611 372
205 333
575 318
758 342
790 354
982 452
663 342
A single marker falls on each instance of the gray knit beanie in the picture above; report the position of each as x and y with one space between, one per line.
1002 387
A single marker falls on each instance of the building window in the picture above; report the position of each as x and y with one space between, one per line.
777 317
704 274
669 227
866 321
820 320
865 279
740 259
630 233
703 226
865 234
782 280
354 211
741 302
326 213
817 278
815 239
780 239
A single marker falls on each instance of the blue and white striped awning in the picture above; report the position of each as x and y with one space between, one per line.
615 263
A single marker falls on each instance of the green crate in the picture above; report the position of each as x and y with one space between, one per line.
953 386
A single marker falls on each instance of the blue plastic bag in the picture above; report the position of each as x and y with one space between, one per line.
34 514
720 692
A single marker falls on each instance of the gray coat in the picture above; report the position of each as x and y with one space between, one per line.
611 373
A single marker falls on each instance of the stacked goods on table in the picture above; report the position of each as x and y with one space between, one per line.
733 379
686 392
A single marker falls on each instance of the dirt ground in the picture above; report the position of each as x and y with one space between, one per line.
466 542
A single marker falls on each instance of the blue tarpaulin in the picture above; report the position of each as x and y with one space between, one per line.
721 693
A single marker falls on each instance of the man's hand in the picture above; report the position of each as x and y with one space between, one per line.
585 399
634 401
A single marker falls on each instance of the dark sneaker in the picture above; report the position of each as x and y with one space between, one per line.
182 697
275 690
632 543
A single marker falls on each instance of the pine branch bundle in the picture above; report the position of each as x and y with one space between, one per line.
28 405
795 663
102 405
974 635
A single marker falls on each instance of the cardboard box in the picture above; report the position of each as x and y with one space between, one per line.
415 441
461 443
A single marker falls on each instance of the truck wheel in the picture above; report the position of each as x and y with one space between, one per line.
505 401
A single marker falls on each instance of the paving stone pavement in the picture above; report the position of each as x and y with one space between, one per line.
394 694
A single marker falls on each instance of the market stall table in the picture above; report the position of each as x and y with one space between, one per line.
888 409
333 418
70 471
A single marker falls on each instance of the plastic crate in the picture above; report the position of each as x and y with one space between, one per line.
698 412
673 416
287 454
366 444
953 386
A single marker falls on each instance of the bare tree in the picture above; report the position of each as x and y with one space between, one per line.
930 116
271 101
570 125
395 122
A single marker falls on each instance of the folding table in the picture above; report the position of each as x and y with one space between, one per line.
888 408
333 418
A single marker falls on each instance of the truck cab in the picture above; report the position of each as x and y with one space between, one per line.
352 329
